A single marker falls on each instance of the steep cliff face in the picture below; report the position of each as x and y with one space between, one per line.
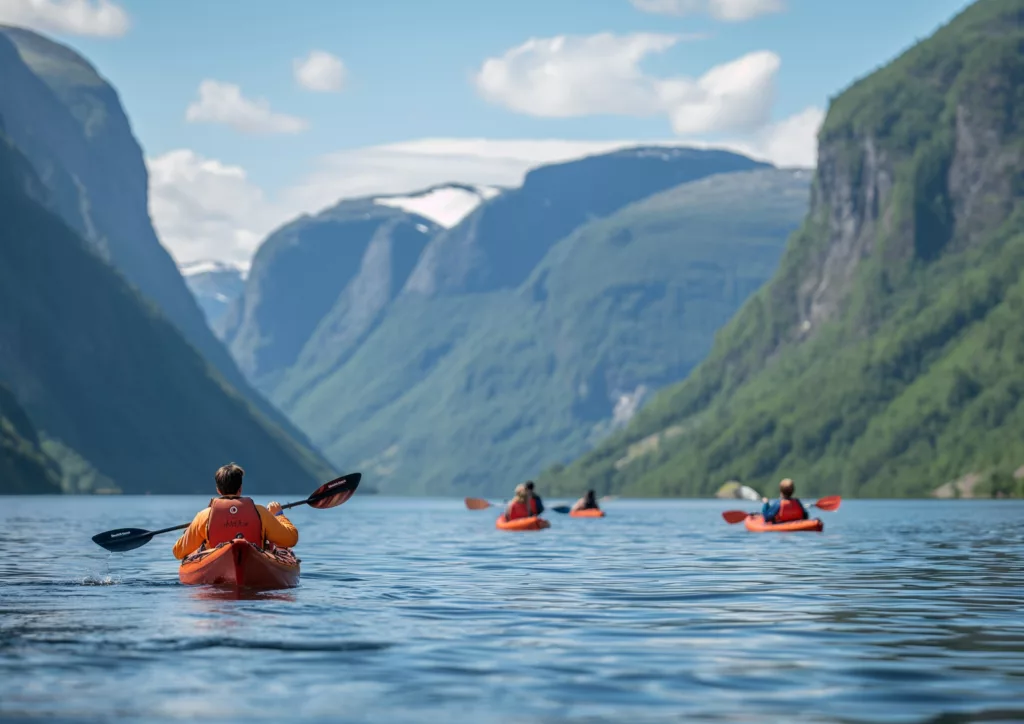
69 123
892 303
113 388
323 279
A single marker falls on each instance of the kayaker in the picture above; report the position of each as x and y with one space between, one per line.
786 509
232 516
522 504
536 498
587 502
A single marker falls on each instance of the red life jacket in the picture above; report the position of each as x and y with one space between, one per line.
519 510
232 518
789 510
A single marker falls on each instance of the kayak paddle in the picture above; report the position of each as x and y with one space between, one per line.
480 504
830 503
326 496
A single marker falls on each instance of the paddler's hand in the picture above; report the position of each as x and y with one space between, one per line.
274 507
764 500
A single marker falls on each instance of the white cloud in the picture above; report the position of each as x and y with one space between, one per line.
399 168
738 95
204 209
320 71
224 103
600 74
575 76
792 141
728 10
101 18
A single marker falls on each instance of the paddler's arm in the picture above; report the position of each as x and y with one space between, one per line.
194 536
278 529
770 510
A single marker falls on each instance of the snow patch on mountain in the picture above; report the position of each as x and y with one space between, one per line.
210 266
444 205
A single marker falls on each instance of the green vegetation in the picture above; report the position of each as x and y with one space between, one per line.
115 391
885 359
24 467
471 392
67 121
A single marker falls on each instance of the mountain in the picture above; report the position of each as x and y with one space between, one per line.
215 285
69 123
326 276
112 387
886 356
505 361
24 466
498 245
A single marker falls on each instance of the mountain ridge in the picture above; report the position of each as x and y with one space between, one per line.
893 302
69 123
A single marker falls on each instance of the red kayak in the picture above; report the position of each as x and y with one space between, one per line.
531 523
242 565
756 524
586 513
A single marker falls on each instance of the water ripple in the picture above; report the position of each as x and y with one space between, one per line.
420 611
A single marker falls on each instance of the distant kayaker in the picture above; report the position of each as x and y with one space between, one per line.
522 505
536 498
231 516
587 502
786 509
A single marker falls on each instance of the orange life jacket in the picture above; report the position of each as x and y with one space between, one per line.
789 510
232 518
519 510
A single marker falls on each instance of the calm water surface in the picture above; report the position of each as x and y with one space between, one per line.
420 611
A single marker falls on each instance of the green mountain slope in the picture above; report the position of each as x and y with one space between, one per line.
466 392
24 467
887 354
105 378
69 123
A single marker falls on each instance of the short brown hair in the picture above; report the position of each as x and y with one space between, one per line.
229 479
786 488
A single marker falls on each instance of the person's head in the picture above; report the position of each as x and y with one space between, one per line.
229 479
590 498
521 493
529 485
786 488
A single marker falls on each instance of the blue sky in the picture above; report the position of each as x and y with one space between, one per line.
410 67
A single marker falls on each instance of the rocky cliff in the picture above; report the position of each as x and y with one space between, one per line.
883 358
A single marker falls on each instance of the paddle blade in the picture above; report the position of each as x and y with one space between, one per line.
563 509
735 516
336 492
477 504
123 539
830 503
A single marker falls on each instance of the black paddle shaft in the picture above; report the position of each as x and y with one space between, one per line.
126 539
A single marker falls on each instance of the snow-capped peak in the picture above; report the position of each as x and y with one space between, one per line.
444 205
209 266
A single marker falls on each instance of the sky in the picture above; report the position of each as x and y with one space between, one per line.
251 112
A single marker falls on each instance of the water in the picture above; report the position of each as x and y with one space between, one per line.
420 611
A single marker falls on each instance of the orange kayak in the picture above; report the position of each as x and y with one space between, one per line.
242 565
587 513
532 523
756 524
